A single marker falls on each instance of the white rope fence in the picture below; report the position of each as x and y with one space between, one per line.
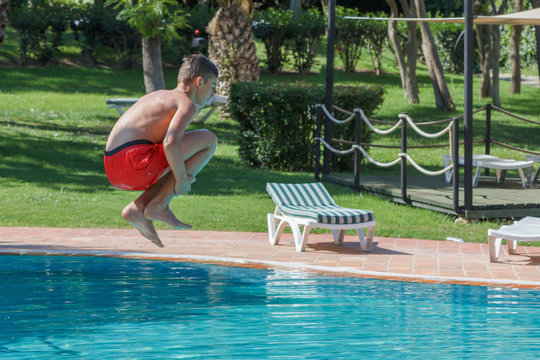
333 118
388 164
423 133
378 131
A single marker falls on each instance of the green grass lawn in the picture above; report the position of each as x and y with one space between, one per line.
54 125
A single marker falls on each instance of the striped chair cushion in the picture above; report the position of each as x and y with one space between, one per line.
313 201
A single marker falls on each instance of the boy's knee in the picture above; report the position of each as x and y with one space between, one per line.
210 138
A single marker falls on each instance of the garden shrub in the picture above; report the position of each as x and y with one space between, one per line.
271 26
278 121
306 31
40 25
376 35
449 45
350 37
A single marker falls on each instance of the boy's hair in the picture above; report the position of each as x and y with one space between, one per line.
196 65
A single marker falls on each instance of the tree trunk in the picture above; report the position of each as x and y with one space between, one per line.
407 67
515 37
3 19
295 5
152 67
536 4
483 36
443 98
496 52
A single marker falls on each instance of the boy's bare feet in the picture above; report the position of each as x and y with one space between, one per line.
136 218
154 213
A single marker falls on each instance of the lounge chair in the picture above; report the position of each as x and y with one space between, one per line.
535 158
310 205
526 229
501 166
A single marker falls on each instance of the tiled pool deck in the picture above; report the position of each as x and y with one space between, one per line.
395 259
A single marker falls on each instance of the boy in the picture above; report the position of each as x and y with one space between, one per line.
148 148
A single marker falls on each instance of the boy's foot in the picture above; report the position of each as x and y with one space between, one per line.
166 215
136 218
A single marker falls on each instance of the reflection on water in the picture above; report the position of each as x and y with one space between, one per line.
117 308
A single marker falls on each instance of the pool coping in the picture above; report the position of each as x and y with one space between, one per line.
436 261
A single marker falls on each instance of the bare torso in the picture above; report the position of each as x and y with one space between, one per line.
148 119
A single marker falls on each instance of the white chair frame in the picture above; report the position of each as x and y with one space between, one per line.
526 229
277 222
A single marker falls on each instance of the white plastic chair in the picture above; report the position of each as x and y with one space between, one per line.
526 229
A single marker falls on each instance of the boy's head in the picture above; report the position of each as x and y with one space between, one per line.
196 65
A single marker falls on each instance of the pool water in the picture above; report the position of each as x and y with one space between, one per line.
105 308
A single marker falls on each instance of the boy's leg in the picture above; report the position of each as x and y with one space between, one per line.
198 147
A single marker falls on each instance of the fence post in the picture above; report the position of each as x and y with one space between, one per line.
318 143
327 155
455 161
404 161
357 153
487 138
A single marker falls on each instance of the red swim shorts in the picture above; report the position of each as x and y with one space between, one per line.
135 165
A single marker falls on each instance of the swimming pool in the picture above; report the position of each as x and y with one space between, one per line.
106 308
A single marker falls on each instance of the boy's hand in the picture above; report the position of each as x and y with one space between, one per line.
182 189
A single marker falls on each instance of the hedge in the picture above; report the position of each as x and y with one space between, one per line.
278 121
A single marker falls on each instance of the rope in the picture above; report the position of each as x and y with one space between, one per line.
423 133
381 164
335 151
373 161
513 115
424 171
378 131
514 148
333 118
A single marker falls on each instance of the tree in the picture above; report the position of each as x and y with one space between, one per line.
536 4
443 99
515 36
483 36
3 19
496 51
231 46
407 66
157 21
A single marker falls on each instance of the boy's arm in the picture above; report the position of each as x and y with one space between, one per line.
171 146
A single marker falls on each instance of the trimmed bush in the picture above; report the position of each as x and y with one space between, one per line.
278 121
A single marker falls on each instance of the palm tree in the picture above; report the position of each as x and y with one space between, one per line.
3 19
231 46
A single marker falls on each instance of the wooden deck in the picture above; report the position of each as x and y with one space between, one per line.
490 200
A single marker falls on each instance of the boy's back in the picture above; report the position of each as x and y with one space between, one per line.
149 118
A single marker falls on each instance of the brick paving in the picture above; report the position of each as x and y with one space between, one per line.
394 259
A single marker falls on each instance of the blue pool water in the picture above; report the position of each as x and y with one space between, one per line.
104 308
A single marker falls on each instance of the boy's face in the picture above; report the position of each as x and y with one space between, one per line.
205 89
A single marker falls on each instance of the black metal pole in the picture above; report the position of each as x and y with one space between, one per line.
468 105
327 155
487 138
404 162
357 153
320 115
455 161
